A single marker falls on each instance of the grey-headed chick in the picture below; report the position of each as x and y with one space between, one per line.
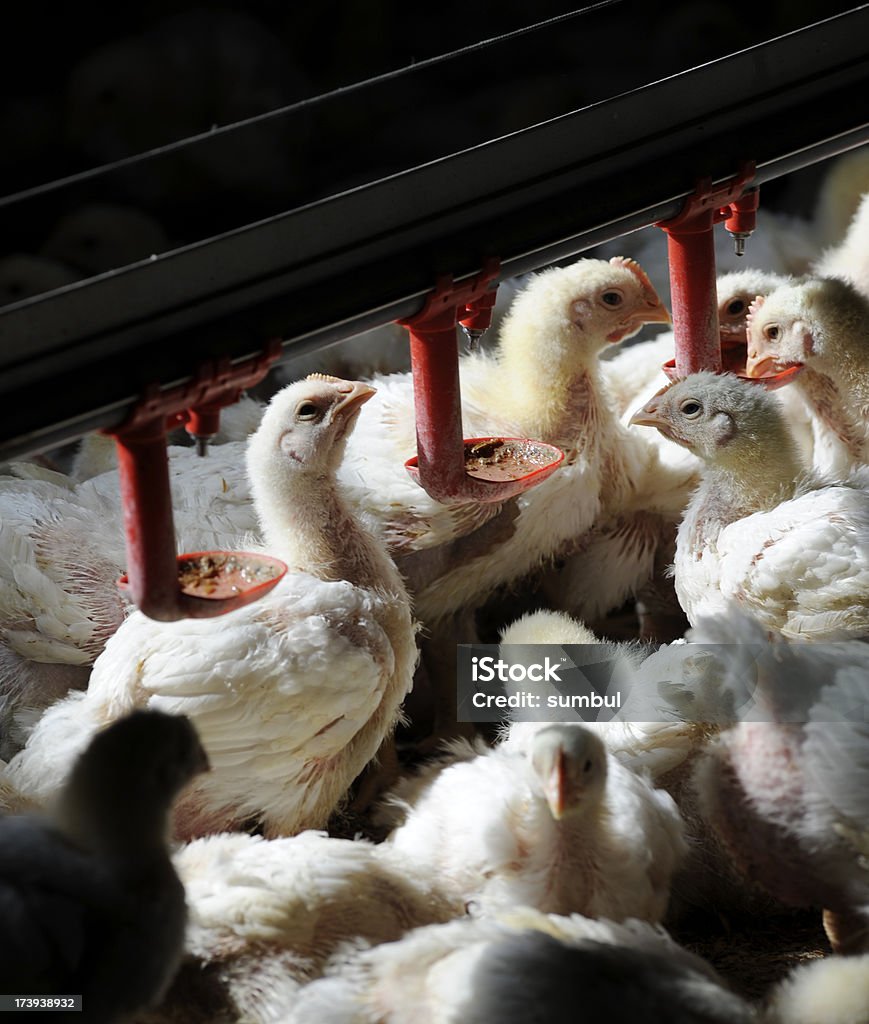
89 900
760 532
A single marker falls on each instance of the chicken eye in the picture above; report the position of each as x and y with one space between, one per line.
587 767
735 308
308 411
772 332
611 298
691 408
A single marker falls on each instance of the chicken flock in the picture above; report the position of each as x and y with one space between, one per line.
279 815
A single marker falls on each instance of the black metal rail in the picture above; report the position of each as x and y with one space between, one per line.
76 359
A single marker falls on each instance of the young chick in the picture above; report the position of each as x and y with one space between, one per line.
539 383
821 326
830 991
631 376
89 901
543 382
546 381
849 259
674 700
62 551
791 549
519 967
557 824
788 790
291 694
264 915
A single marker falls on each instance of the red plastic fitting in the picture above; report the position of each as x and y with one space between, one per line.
439 465
143 463
691 251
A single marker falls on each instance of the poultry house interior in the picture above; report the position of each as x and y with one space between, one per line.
268 226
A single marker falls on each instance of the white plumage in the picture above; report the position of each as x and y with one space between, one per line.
673 700
788 790
830 991
538 384
62 551
611 500
520 967
555 823
293 694
821 325
790 548
264 915
849 259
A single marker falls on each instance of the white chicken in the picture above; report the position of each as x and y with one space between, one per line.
834 990
557 823
787 789
264 915
546 382
850 258
538 384
631 376
672 701
89 901
292 694
62 551
520 967
822 326
789 548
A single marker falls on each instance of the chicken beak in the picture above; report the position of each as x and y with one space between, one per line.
555 788
760 365
657 313
650 415
357 395
652 312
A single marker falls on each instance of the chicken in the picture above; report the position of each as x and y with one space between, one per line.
759 533
291 694
543 382
611 496
538 384
822 326
264 915
787 787
522 966
834 990
673 700
62 551
556 823
849 259
631 376
89 901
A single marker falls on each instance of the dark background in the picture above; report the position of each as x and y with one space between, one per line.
81 90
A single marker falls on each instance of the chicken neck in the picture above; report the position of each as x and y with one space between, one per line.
313 530
556 401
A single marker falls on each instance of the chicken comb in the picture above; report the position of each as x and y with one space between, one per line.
327 377
636 270
754 308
